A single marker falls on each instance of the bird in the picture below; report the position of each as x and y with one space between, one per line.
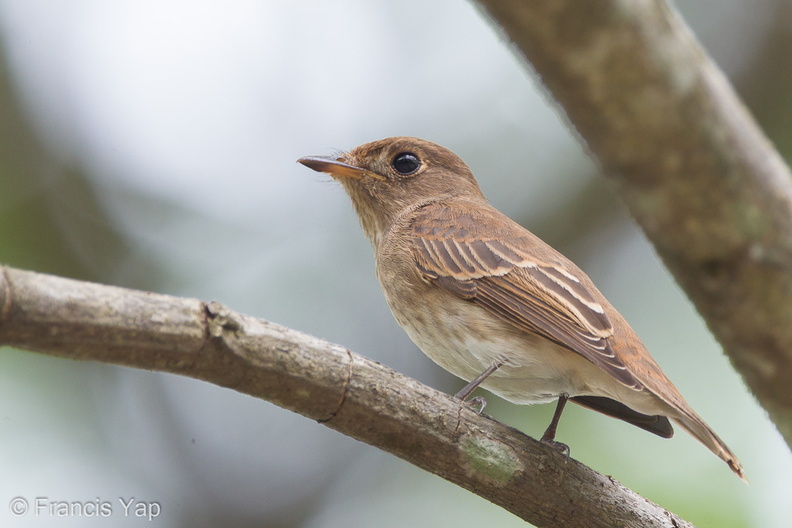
492 303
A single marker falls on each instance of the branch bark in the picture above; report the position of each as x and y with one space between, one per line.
325 382
695 171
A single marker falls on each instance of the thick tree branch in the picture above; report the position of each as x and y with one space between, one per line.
325 382
701 179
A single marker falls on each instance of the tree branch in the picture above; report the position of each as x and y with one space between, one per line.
325 382
694 169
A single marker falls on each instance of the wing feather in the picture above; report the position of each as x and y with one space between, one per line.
502 272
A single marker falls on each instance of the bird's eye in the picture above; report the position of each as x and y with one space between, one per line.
405 163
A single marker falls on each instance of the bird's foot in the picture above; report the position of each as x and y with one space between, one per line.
477 404
555 444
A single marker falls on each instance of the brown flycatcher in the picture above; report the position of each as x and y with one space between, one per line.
491 303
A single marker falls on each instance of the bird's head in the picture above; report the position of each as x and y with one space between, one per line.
389 177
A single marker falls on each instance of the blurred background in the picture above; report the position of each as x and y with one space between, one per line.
152 144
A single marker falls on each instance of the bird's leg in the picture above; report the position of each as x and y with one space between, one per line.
473 385
478 380
549 435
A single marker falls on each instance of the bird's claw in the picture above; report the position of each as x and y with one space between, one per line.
476 404
558 446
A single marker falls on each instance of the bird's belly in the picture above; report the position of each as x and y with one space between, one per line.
465 340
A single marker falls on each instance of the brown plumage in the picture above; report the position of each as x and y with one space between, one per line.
492 303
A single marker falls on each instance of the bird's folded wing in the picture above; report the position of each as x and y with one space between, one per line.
482 256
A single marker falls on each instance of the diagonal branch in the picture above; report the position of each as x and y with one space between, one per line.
342 390
694 169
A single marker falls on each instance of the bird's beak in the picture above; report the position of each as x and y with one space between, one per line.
336 168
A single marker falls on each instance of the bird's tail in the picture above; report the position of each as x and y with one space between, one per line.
694 425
